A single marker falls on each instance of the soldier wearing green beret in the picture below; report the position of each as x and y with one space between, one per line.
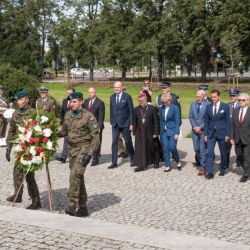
83 139
45 102
18 117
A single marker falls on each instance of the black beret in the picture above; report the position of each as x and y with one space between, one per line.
76 95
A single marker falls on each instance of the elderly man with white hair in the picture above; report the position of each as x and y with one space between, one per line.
240 134
197 118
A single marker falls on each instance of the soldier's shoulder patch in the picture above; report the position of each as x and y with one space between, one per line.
94 125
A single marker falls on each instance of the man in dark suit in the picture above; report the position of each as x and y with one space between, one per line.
121 119
96 106
240 134
233 94
65 107
216 129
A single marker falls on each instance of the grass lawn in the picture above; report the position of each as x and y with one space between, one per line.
186 92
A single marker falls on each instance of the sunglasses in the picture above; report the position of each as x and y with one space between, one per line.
241 100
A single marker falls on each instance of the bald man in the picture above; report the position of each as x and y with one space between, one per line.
197 117
97 107
121 119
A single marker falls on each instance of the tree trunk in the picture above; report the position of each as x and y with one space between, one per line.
124 69
91 71
150 69
204 62
160 65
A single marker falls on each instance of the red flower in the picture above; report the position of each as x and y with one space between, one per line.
31 140
35 122
23 147
19 157
45 139
47 126
25 132
37 140
30 158
39 149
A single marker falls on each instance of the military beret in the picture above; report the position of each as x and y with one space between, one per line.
43 90
1 87
21 94
233 92
165 85
203 87
76 95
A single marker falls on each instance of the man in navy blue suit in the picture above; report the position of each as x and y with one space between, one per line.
216 129
121 119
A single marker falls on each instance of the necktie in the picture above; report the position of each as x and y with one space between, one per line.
198 107
241 116
215 109
117 99
90 104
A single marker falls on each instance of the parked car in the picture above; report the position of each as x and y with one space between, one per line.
77 73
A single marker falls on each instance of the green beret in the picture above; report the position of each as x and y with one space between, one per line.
76 95
43 90
21 94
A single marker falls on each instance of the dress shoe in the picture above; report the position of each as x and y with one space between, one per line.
113 166
94 163
82 212
178 165
12 197
125 155
238 165
167 169
243 179
139 169
71 210
221 173
202 172
36 204
61 159
156 165
209 176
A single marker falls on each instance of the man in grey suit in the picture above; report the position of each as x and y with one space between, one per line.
196 118
240 134
233 104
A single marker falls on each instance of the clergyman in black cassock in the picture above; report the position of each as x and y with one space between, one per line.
146 131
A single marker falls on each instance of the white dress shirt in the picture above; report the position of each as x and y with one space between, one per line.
217 107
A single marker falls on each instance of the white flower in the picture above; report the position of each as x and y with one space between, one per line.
21 129
33 150
17 148
38 129
37 159
47 132
44 119
49 145
25 162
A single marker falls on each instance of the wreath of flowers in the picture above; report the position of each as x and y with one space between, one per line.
36 141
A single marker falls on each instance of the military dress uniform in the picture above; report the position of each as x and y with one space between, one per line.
18 117
83 139
46 104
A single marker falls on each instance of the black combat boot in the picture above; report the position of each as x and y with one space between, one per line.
71 209
36 204
82 212
12 197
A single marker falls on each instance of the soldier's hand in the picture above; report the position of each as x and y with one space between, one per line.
7 155
86 159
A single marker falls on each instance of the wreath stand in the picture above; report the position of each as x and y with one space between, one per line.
50 195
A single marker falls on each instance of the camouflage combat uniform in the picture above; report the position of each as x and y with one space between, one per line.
46 104
83 138
17 118
3 121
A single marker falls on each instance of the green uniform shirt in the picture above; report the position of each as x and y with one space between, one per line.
46 104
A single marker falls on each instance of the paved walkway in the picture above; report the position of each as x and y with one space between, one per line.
180 209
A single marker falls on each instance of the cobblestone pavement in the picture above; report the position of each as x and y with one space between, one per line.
177 201
19 236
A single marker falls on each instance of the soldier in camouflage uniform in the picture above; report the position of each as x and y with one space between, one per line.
17 118
83 138
3 121
45 102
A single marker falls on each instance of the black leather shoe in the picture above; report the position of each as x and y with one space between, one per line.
243 179
12 197
209 176
113 166
71 210
94 163
36 204
82 212
61 159
221 173
139 169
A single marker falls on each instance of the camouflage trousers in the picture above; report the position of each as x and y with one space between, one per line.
77 191
31 183
3 126
122 146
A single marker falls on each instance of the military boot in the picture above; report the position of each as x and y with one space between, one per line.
12 197
71 209
82 212
36 204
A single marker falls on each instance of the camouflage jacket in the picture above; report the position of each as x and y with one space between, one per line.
82 131
18 117
47 105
